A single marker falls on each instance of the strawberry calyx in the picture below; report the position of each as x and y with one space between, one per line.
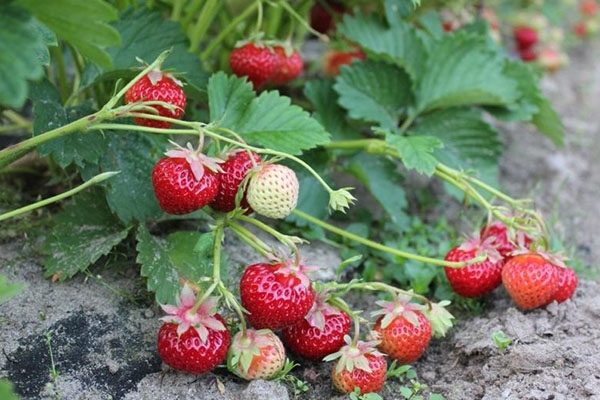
156 76
185 317
400 306
556 259
287 267
482 247
320 310
439 318
352 355
195 158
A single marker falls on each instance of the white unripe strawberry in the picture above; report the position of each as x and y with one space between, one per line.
273 191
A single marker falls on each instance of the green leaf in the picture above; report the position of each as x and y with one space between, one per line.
83 231
327 111
416 152
462 69
398 43
78 148
168 261
130 194
23 52
526 106
432 23
374 91
8 290
269 120
396 9
84 24
547 121
469 143
145 34
380 177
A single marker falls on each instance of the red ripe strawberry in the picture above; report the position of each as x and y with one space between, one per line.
320 333
234 170
477 279
359 366
333 60
530 280
580 29
528 55
290 66
185 181
156 86
567 283
403 329
525 37
588 7
256 354
193 341
276 295
498 234
256 62
273 190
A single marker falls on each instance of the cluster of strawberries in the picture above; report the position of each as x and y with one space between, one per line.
587 24
533 278
264 64
279 297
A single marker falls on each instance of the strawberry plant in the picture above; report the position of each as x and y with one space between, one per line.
212 122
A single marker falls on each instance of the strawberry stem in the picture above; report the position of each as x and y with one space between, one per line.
289 241
379 246
251 239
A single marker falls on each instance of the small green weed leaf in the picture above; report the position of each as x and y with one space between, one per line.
167 261
501 340
462 69
399 43
547 121
23 53
8 290
374 91
84 24
77 148
469 143
269 120
416 152
82 232
379 176
327 110
6 390
129 194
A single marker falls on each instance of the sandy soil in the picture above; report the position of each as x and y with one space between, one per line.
103 346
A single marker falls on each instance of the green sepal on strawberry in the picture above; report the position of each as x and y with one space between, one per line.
359 366
276 295
403 330
256 354
233 172
193 340
320 333
185 181
479 278
157 86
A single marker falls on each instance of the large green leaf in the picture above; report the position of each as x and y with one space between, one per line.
269 120
469 142
416 152
167 261
23 52
145 34
461 70
130 194
380 177
84 24
374 91
547 121
79 147
327 110
83 232
398 43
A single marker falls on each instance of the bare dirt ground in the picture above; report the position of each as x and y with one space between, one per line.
82 339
